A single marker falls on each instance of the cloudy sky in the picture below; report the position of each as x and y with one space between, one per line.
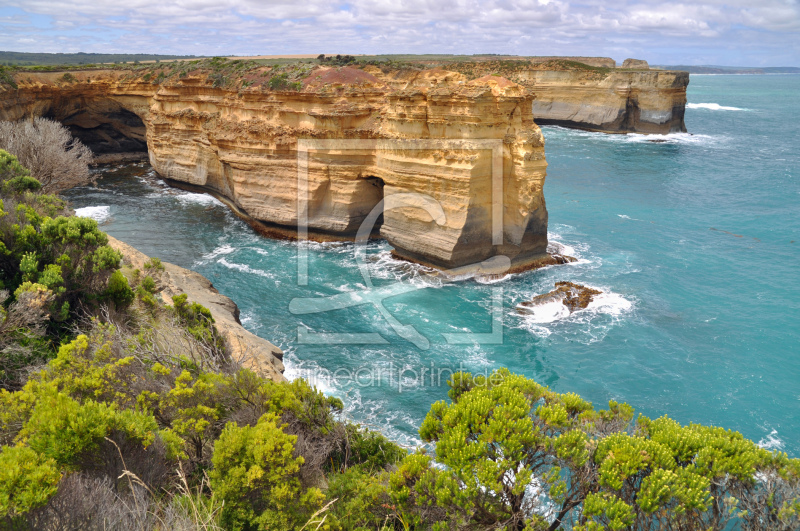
733 32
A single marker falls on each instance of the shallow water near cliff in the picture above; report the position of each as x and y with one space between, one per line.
695 242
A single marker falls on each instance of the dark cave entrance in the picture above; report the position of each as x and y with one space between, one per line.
375 191
107 131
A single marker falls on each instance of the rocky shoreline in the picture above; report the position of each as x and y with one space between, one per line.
245 347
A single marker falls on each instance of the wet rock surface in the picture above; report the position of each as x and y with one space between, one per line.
574 296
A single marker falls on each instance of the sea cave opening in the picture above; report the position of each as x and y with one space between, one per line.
108 130
375 197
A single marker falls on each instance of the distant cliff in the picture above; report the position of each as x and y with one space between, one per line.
629 99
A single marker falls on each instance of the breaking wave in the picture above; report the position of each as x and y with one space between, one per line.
713 107
97 213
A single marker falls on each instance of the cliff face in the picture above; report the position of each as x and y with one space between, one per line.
103 111
450 163
414 143
617 102
596 96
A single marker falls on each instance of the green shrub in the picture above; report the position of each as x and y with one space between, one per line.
363 502
154 263
118 291
15 178
257 475
27 480
198 321
369 449
148 284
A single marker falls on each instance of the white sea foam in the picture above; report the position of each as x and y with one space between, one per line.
97 213
221 250
586 325
610 304
492 279
634 138
244 268
771 441
203 199
546 312
713 107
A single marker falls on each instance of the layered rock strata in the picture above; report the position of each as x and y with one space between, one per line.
617 101
448 167
460 164
245 347
592 94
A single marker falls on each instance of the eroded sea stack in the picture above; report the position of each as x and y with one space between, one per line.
326 146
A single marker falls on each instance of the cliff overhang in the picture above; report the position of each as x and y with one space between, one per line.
448 167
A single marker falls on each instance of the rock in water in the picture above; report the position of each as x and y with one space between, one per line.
574 296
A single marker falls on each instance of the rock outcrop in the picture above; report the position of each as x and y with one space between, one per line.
638 64
617 101
592 94
447 165
574 296
423 148
245 347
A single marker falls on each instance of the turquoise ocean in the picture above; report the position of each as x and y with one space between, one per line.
694 240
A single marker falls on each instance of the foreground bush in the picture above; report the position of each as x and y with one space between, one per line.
53 268
45 147
519 456
120 412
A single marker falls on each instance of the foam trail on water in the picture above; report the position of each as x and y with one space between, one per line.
221 250
97 213
244 268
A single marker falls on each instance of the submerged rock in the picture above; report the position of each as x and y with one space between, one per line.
574 296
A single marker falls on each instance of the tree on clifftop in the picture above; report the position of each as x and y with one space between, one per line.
49 151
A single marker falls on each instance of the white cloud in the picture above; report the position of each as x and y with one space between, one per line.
661 31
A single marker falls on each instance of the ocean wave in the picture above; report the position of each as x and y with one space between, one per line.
203 199
586 325
771 441
577 250
244 268
713 107
221 250
97 213
634 138
382 265
379 414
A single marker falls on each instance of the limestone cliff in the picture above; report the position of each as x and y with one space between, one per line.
617 102
449 161
242 143
581 94
245 347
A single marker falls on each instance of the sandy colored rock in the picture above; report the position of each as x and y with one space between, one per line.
252 351
574 296
639 64
414 137
617 101
414 142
